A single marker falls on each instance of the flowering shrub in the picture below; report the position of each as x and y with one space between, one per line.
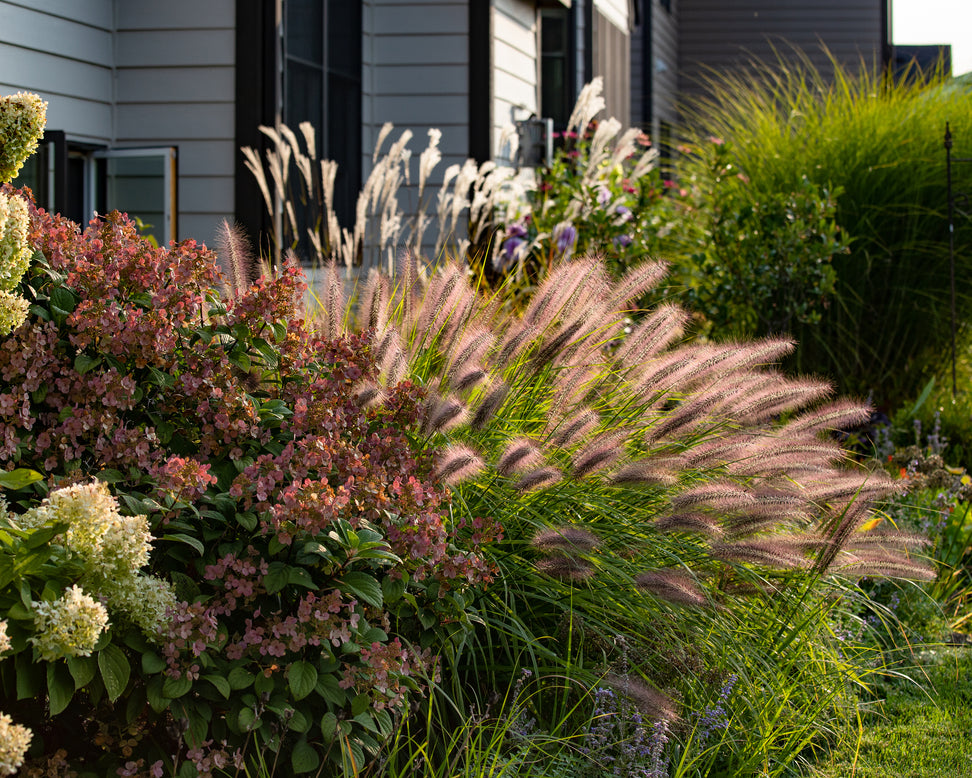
601 195
754 264
304 564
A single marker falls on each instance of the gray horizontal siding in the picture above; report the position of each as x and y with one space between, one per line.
175 82
176 48
62 51
63 36
416 75
421 49
421 19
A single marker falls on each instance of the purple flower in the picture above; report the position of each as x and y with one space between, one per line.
565 236
603 195
622 241
624 213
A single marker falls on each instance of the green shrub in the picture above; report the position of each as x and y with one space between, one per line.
880 145
760 263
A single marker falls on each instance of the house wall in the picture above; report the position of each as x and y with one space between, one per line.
719 35
135 73
175 71
416 76
515 65
612 51
664 34
63 52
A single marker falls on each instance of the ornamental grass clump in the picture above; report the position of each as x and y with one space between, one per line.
674 513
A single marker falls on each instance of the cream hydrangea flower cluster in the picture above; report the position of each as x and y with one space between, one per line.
14 741
4 638
22 120
68 626
110 544
113 548
23 117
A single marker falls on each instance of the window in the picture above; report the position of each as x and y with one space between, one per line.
79 179
556 93
322 85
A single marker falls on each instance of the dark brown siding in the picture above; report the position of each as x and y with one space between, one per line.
719 34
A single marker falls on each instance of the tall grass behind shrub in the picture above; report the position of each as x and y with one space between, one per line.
881 145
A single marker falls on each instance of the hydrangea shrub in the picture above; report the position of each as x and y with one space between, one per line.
274 556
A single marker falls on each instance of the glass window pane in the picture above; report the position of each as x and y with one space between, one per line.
305 25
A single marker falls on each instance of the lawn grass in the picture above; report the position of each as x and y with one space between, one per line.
919 726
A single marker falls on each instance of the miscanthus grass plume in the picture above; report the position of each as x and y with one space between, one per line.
655 495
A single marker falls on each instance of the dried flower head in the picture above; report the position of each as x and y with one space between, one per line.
675 586
566 568
648 700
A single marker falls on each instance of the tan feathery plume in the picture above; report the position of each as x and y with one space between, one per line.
519 455
765 553
566 568
565 538
458 463
675 586
717 495
490 405
444 413
838 415
603 451
658 330
538 479
569 432
651 702
691 521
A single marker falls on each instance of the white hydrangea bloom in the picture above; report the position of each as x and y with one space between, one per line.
13 311
4 638
110 544
22 120
68 626
14 741
14 248
146 600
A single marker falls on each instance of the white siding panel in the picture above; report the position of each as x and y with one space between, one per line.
55 75
421 19
423 79
616 12
421 50
172 48
176 85
95 13
172 14
154 122
515 64
80 119
31 29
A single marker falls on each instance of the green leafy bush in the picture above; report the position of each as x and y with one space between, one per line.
877 148
754 263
